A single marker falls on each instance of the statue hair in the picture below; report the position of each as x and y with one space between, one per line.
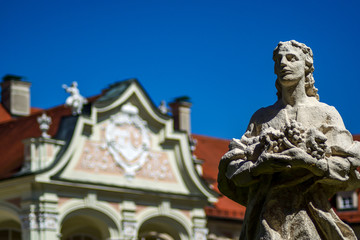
310 89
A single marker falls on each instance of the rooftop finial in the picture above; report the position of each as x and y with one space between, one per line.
44 124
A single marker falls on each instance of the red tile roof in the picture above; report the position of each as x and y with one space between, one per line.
4 115
16 130
349 216
356 137
211 150
35 110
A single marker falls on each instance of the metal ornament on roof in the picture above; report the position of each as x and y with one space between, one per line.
127 139
75 100
44 124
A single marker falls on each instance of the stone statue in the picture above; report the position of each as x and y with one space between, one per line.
293 157
75 100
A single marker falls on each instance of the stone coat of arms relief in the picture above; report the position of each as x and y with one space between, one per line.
125 148
127 139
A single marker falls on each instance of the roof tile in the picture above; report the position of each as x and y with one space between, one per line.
211 150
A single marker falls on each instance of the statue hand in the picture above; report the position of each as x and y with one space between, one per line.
298 158
234 166
233 154
268 163
291 158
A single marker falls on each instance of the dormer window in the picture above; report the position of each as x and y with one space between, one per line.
346 200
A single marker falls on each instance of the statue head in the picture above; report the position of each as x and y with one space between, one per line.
305 55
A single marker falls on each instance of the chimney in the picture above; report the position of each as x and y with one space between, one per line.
15 95
181 109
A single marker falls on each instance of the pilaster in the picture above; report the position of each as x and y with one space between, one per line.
199 221
40 218
129 224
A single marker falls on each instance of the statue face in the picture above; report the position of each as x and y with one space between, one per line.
289 65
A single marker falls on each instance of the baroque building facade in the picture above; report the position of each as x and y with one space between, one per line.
116 168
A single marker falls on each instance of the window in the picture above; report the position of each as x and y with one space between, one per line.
10 234
155 236
80 237
346 200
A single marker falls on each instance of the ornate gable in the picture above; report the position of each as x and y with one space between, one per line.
126 142
125 148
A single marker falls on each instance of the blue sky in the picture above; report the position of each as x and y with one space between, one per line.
217 52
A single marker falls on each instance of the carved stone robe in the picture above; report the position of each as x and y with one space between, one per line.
293 203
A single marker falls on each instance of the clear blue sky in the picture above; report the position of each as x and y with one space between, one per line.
217 52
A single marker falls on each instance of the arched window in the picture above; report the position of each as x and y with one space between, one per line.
81 237
87 224
155 236
162 228
10 234
10 226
